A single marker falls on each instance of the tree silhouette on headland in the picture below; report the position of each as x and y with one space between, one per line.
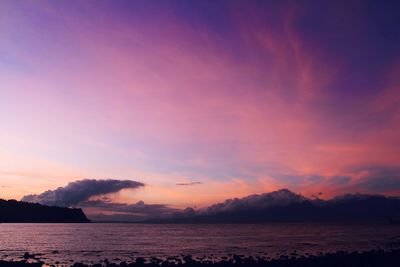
22 212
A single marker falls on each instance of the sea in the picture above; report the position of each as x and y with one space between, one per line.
61 244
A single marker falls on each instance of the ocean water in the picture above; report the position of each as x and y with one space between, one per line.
64 243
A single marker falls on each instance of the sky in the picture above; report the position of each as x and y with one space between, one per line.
200 101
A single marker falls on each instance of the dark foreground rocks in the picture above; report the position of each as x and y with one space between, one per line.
375 258
20 264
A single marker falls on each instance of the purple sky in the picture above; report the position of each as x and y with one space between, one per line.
229 97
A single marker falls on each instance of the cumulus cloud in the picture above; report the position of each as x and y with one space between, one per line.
281 197
284 205
79 191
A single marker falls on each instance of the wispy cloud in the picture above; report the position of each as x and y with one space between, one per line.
191 183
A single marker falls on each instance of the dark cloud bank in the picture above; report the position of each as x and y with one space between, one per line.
286 206
278 206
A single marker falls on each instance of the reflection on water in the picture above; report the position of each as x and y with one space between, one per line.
92 242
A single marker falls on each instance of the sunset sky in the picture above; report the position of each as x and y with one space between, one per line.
200 100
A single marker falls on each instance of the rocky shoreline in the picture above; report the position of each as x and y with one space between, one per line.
373 258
